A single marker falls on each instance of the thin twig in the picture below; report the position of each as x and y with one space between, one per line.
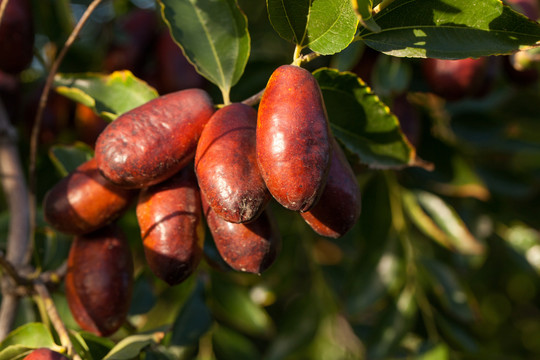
3 7
254 99
59 326
12 272
39 116
13 183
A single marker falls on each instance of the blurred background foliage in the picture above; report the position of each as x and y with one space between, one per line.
442 264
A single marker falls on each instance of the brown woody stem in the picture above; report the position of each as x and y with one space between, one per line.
3 7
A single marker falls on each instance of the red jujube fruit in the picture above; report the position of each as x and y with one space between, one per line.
84 201
152 142
16 36
170 218
226 165
45 354
99 280
293 138
338 208
248 247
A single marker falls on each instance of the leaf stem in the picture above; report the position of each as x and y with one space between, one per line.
297 56
39 116
381 6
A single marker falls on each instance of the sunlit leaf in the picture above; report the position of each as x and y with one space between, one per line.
213 35
31 335
362 122
325 26
108 95
450 29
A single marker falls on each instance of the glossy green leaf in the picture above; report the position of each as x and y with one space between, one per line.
438 352
15 352
131 346
229 344
449 222
363 11
66 158
447 287
233 302
108 95
193 320
524 240
395 323
362 122
336 340
213 35
450 29
325 26
31 335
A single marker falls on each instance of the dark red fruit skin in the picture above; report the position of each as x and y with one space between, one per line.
99 280
170 219
45 354
226 165
153 141
409 119
339 207
16 36
84 201
293 138
250 247
456 79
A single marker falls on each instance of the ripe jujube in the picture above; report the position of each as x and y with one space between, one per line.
170 219
16 36
338 208
250 247
293 138
226 165
84 201
154 141
99 280
45 354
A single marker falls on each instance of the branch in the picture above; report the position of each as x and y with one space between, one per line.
39 116
14 185
59 326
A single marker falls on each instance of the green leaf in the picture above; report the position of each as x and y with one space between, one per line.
131 346
447 220
15 352
336 340
450 29
362 122
325 26
363 10
448 289
31 335
395 323
213 35
193 320
66 158
229 344
108 95
233 302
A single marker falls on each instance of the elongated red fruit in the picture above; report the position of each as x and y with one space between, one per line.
153 141
226 165
248 247
338 208
84 201
293 138
16 36
170 218
99 280
45 354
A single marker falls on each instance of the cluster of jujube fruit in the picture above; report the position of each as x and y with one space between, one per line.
183 161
